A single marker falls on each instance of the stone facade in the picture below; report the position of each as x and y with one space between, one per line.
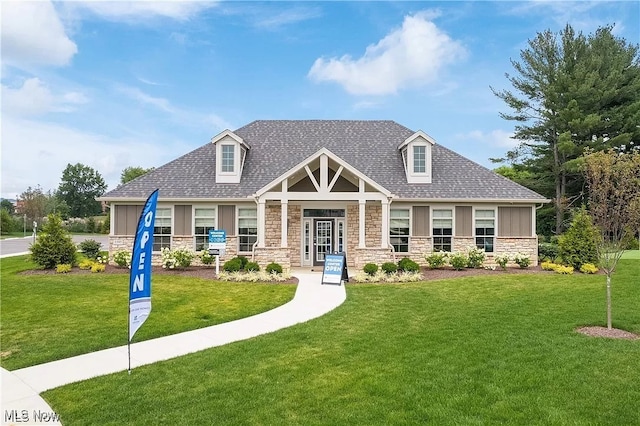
352 233
373 228
524 245
294 233
362 256
265 255
419 247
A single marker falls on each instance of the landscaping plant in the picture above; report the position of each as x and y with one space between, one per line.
53 245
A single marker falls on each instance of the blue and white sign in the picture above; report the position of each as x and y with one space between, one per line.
140 278
217 236
334 268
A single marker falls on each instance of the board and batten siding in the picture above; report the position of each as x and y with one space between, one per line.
421 222
464 221
126 219
515 221
182 220
227 219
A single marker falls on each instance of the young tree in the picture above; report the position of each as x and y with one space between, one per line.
571 92
614 204
54 245
130 173
34 203
56 205
80 187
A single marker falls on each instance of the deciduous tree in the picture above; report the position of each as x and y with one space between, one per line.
80 187
130 173
34 202
614 204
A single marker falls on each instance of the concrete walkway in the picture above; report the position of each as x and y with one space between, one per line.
21 388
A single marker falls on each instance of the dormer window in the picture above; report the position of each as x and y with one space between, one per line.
231 152
228 158
416 156
419 159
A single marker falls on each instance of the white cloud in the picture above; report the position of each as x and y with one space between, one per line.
32 34
495 138
34 98
133 11
286 17
412 55
44 150
139 96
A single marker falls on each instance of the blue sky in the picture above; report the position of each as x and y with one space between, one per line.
118 84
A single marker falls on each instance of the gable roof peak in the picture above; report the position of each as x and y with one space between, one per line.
416 135
228 133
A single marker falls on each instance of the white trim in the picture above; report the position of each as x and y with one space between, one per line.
203 206
335 178
416 135
324 195
362 243
262 218
318 155
494 209
386 216
311 177
228 133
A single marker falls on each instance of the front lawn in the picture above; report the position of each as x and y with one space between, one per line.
475 350
50 317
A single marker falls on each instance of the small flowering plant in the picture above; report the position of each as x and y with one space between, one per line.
122 258
502 260
475 257
206 258
522 260
177 258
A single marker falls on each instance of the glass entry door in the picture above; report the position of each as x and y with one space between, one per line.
322 239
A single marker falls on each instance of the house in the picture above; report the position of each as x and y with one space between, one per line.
292 191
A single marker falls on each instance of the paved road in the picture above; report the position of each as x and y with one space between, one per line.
16 246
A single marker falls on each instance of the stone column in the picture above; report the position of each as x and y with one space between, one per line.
283 223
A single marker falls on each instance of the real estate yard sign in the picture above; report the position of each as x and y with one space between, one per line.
335 269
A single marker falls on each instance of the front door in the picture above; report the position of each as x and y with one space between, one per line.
322 239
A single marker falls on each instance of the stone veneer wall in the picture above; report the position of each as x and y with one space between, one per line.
376 255
119 242
419 247
524 245
265 255
373 225
272 225
352 233
294 234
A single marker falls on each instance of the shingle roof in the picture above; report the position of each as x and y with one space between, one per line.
279 145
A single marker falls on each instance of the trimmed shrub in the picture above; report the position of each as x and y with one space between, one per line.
63 268
475 257
436 260
458 261
579 244
370 269
407 265
98 267
389 267
522 260
502 260
177 258
243 260
274 268
252 267
232 265
547 251
122 258
53 245
588 268
90 248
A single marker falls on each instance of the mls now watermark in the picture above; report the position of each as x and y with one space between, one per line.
26 416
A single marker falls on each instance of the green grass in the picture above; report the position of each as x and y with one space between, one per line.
478 350
631 254
16 234
50 317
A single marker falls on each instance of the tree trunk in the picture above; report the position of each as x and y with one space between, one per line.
609 301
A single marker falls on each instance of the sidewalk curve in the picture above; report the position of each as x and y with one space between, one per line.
21 388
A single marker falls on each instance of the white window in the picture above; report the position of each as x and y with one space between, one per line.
485 229
162 229
442 230
419 159
247 229
205 220
228 158
399 230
